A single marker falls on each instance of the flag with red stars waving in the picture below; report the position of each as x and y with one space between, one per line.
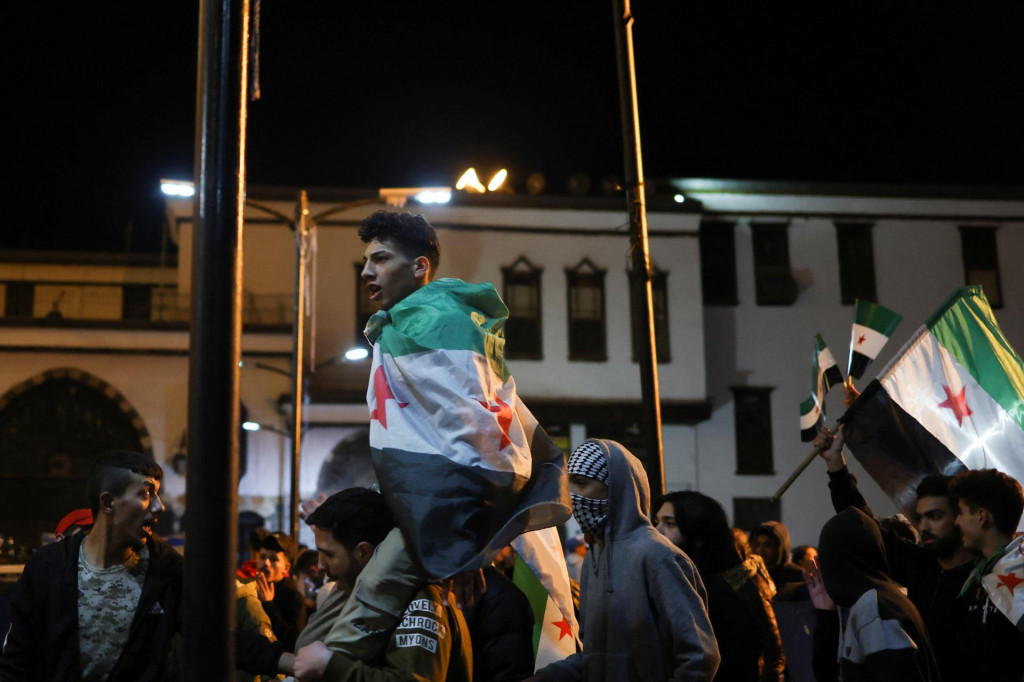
953 397
463 464
1005 583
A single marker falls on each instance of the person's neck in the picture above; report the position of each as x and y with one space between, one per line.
102 552
957 557
994 541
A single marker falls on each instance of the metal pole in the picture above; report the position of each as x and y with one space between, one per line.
302 226
643 303
215 339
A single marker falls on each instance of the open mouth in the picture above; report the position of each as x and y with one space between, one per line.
374 290
147 526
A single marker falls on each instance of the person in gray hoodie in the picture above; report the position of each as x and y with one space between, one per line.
643 605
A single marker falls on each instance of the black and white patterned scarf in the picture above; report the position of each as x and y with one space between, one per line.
589 460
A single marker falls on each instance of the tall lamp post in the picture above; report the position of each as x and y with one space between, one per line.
303 225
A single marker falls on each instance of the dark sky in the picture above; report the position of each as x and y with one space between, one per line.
100 99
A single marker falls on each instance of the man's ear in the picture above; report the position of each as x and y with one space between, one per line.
107 502
421 268
364 552
985 518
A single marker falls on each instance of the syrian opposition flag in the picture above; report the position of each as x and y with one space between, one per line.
811 419
541 574
463 464
1002 581
953 397
824 375
872 326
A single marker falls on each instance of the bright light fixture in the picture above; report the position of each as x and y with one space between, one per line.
177 188
354 354
679 198
469 180
434 197
498 180
251 426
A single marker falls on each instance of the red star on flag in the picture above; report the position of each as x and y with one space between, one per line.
861 339
1009 581
563 627
383 393
957 403
504 413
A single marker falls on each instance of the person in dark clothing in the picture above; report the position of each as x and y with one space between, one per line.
278 591
882 636
739 596
501 629
992 630
934 570
105 605
771 542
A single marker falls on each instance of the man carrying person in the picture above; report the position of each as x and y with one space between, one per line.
431 641
643 604
934 570
462 464
103 605
992 629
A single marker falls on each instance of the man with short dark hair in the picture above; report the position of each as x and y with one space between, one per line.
430 642
103 605
992 631
934 570
277 590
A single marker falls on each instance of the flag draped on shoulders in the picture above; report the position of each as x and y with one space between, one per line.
1003 581
953 397
463 464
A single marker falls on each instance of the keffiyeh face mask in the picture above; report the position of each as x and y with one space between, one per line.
589 460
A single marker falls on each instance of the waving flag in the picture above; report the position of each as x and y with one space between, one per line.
953 397
824 375
811 419
463 464
872 326
541 574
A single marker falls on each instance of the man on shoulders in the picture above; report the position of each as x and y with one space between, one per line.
101 606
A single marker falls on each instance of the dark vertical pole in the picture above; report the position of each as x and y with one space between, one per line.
640 258
302 227
212 485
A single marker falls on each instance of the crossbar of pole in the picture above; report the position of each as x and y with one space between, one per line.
215 343
643 304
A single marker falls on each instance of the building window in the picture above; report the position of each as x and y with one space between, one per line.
981 261
137 302
718 262
753 430
856 262
773 279
586 312
19 300
364 308
522 296
750 512
659 294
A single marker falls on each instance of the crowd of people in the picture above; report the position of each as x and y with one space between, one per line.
666 589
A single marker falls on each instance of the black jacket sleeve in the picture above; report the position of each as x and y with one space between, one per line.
845 493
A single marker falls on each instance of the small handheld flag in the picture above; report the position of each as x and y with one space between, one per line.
810 419
873 324
829 374
824 375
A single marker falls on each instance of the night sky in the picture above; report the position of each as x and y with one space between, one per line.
100 99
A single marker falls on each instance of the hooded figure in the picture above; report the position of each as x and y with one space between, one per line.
643 605
787 576
882 636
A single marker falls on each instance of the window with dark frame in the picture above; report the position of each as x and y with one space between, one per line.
750 512
718 262
364 308
981 261
521 292
20 300
773 277
587 336
659 294
137 302
753 412
856 262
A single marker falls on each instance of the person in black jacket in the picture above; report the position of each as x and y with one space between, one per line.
106 605
934 570
500 626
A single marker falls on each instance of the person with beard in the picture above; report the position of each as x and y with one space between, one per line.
643 603
277 589
739 592
934 570
881 634
103 605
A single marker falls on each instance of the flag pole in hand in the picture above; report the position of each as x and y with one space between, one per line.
800 467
